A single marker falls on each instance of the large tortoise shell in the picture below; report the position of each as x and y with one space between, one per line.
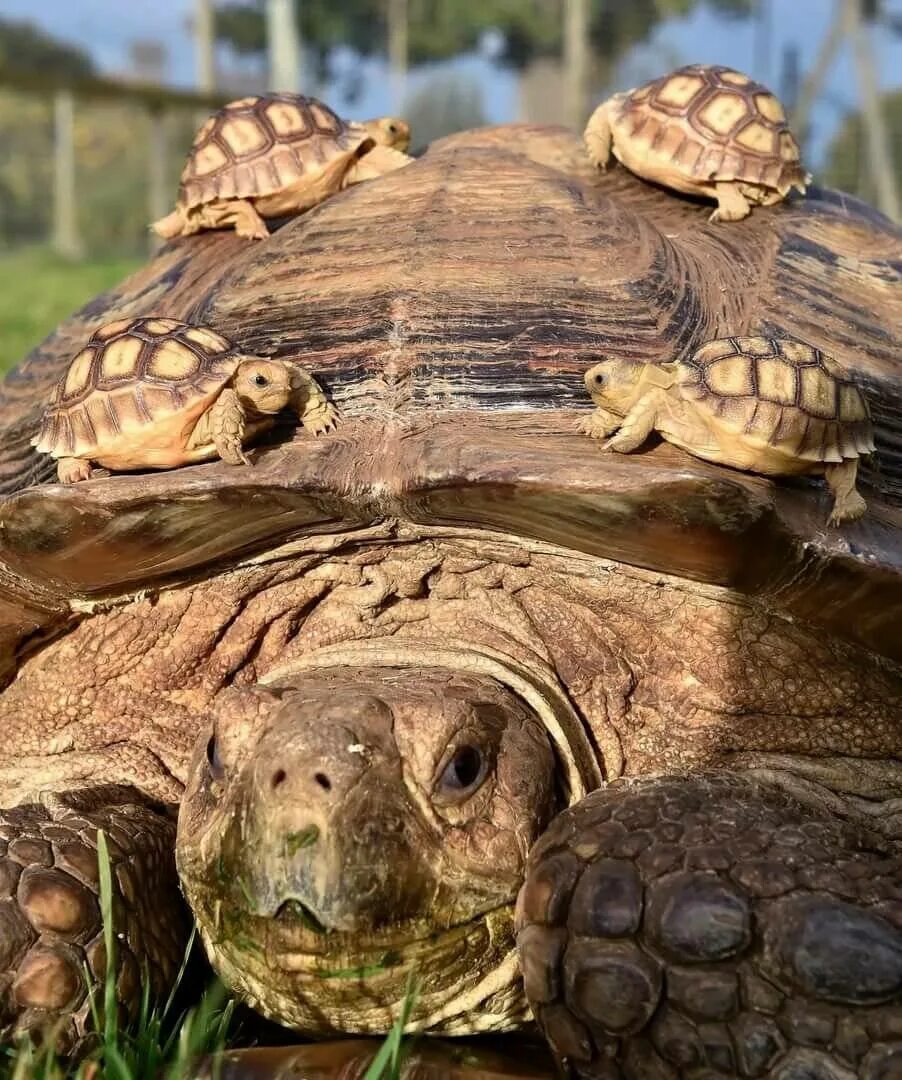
257 146
781 392
131 373
714 123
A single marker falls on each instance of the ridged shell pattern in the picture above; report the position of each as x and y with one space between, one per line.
257 146
783 392
131 373
714 123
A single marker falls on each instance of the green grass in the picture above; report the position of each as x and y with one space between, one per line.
38 290
160 1044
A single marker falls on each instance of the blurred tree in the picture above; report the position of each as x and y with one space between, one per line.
444 103
847 165
439 29
25 47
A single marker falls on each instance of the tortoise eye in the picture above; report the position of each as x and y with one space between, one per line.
462 775
261 380
217 770
598 379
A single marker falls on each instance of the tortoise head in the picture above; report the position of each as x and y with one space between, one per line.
612 384
389 131
355 827
263 386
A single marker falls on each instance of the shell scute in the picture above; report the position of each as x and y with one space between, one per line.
731 128
259 145
782 392
130 374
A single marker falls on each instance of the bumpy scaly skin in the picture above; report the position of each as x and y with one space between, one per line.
674 926
50 921
666 676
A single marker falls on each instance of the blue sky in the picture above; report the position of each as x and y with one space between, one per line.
106 27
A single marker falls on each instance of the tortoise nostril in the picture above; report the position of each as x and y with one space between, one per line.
278 777
324 782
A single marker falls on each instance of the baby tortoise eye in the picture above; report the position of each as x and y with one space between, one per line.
217 769
463 774
261 380
598 379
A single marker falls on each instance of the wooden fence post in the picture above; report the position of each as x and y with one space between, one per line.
576 63
158 195
66 241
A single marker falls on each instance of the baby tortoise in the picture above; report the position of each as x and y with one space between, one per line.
279 154
703 131
773 406
156 393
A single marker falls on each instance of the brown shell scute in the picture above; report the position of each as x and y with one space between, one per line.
259 145
130 373
783 392
714 123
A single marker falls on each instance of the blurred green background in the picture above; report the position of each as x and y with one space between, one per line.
96 105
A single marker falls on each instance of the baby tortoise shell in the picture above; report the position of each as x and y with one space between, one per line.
260 145
703 130
131 374
781 392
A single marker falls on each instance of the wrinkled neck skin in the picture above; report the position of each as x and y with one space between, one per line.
368 732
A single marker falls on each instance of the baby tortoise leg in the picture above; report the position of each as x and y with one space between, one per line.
308 400
50 922
71 470
374 163
732 205
847 503
598 138
227 428
599 424
638 423
700 926
238 213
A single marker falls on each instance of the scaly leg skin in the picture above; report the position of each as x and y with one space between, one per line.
732 205
50 922
848 505
71 470
237 213
227 427
700 926
599 424
374 163
597 137
248 223
309 401
637 425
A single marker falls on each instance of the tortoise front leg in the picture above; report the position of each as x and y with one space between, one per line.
309 401
848 505
638 424
50 920
688 927
598 137
71 470
599 424
375 163
227 427
732 205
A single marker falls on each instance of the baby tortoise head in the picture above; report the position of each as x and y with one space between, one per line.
390 131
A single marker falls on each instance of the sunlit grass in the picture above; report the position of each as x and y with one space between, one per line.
38 290
161 1043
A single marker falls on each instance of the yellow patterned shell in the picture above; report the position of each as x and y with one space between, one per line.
258 146
131 374
780 393
713 124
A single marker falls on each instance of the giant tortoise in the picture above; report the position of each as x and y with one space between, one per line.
604 744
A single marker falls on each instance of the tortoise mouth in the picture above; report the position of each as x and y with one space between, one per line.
295 939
